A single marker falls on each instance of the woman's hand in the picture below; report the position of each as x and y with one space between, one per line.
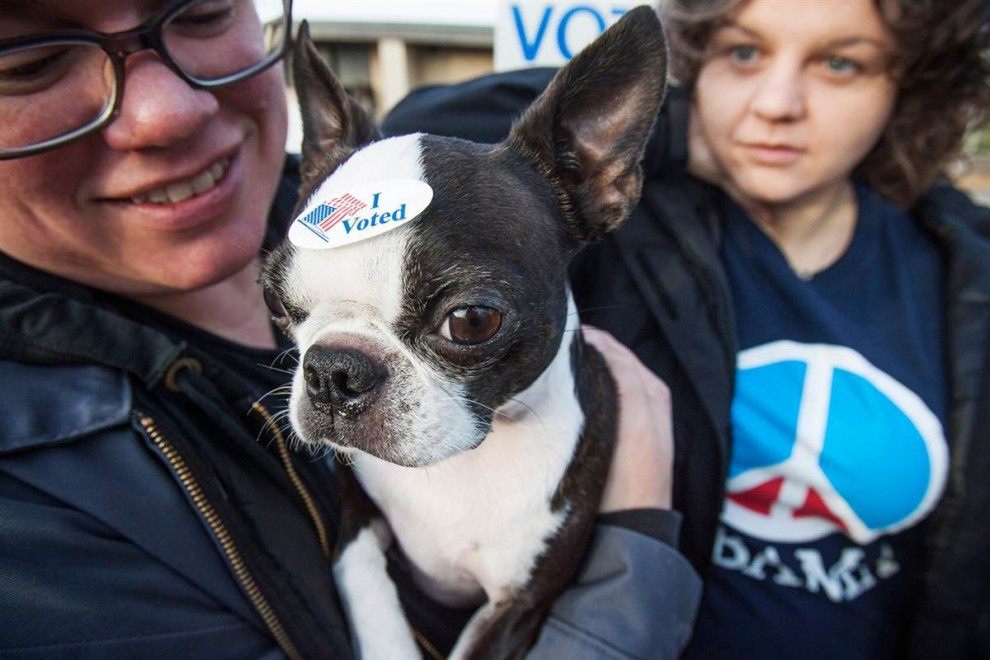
641 475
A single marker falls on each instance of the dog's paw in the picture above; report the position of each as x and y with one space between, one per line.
378 625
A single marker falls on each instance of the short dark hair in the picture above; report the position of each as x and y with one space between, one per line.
942 70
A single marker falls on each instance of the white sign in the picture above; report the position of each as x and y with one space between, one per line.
530 33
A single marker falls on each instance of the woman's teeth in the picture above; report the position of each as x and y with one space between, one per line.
183 190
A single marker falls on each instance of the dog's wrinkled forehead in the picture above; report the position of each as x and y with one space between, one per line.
391 158
366 276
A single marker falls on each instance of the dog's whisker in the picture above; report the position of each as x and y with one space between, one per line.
282 362
281 417
601 308
274 423
291 352
527 407
289 372
285 388
496 411
343 458
280 391
274 420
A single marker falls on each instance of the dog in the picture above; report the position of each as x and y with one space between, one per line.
424 283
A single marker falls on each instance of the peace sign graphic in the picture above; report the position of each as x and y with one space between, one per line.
824 442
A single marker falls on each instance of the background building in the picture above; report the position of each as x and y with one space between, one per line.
381 49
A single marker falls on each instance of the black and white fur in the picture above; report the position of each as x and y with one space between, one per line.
487 460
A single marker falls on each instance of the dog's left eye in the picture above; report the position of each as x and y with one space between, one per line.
472 324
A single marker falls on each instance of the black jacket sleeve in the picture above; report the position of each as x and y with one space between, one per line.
480 110
634 597
483 109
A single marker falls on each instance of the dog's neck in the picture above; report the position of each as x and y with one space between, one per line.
442 512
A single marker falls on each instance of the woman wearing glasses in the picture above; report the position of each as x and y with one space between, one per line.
149 503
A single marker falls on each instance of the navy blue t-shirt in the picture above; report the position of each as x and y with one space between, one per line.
838 443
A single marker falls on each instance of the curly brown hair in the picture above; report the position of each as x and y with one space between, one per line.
941 66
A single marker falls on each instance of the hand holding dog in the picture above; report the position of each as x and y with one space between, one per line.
641 475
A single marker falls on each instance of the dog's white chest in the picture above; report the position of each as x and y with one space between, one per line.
447 525
479 520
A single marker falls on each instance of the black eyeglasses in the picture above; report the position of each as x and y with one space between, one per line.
60 86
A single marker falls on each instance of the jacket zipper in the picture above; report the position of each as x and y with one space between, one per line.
290 469
209 514
283 451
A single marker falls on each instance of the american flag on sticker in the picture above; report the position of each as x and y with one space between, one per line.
327 214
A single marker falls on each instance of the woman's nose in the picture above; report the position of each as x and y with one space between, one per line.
780 93
158 108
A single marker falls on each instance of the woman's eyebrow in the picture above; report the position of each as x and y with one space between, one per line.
857 40
732 25
841 42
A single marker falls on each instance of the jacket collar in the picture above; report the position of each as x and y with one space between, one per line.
45 319
677 272
963 229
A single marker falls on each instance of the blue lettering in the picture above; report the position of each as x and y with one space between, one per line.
530 49
376 220
562 28
374 202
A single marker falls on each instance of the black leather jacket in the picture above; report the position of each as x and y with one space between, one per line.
145 501
658 285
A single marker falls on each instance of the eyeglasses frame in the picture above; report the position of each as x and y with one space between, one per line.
119 46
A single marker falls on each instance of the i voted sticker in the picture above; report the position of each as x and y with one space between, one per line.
339 215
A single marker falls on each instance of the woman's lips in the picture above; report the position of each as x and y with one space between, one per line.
772 154
179 191
179 206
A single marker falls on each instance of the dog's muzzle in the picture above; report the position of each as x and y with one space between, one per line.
342 381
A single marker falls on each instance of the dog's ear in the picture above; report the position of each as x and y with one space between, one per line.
334 124
587 131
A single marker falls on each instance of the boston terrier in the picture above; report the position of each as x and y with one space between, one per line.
424 282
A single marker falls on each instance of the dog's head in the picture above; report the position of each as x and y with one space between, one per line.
412 339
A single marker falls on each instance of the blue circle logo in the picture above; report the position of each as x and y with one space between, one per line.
824 442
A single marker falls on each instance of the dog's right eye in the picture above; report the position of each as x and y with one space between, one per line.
473 324
279 314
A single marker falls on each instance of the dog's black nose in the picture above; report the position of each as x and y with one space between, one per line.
341 380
